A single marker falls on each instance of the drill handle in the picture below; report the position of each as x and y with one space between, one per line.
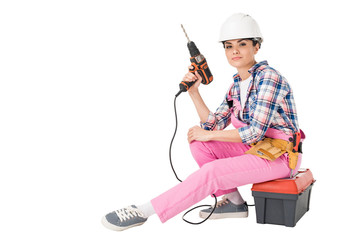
196 69
198 64
203 69
184 86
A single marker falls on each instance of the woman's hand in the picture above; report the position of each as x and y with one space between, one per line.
198 134
190 77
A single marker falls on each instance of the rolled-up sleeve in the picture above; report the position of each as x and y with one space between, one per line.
271 91
218 120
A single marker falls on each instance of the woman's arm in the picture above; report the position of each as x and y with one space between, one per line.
201 108
226 136
199 134
211 121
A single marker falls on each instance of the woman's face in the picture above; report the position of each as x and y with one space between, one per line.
240 53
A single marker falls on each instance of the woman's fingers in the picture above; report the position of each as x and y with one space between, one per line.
190 135
190 77
198 76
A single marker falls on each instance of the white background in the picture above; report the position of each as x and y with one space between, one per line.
86 111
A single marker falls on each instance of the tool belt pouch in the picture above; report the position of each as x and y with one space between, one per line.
293 158
271 149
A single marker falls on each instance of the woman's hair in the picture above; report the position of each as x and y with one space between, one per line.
254 41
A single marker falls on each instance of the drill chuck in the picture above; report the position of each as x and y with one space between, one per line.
194 51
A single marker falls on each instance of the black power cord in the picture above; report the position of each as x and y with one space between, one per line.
172 167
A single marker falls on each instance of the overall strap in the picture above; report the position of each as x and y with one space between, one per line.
229 99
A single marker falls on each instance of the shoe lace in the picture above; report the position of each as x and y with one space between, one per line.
128 213
223 201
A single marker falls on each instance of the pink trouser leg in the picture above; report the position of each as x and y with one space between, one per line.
205 152
231 169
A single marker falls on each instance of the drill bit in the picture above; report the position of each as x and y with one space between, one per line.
185 33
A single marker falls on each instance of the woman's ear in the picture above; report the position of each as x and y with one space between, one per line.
257 47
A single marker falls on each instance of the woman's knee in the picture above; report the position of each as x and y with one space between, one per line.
201 153
196 146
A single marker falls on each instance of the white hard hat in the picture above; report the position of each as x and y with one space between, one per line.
240 26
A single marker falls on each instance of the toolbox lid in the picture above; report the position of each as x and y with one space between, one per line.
294 185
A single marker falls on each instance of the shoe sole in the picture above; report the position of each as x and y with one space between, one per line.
117 228
224 215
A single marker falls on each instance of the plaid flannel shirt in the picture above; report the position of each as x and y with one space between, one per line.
270 103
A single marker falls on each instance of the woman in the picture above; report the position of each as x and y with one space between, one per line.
259 103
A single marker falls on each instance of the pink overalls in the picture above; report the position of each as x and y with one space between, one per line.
223 167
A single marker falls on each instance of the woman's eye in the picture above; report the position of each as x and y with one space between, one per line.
242 44
228 47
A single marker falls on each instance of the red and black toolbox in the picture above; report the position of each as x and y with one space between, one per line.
283 201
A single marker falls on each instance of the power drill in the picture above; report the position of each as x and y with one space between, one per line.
198 63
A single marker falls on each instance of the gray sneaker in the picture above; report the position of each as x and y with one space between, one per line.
124 218
226 209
